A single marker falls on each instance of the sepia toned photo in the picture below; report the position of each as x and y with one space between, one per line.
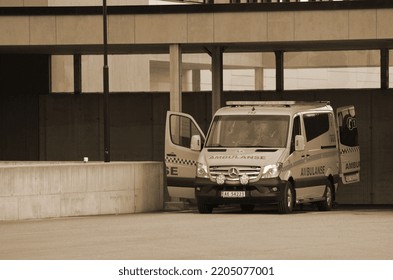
196 130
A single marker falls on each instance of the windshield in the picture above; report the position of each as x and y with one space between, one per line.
249 131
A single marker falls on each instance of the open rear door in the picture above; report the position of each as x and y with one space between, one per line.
180 160
348 145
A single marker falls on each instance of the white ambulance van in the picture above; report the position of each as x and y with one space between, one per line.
274 152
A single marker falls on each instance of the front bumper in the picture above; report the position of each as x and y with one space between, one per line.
264 191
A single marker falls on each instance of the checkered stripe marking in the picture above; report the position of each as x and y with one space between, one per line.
349 150
180 161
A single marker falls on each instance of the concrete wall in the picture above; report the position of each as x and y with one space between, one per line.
22 3
35 190
32 3
222 27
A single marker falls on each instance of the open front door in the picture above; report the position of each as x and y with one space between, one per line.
348 145
180 159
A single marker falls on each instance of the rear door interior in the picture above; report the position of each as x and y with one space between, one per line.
348 144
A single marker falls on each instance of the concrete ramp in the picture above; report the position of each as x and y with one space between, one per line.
36 190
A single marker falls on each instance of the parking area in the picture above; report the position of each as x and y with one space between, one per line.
344 233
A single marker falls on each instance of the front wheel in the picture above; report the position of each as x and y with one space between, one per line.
287 199
327 204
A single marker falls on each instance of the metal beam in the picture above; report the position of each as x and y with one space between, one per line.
77 73
289 46
384 68
217 78
107 133
279 70
192 9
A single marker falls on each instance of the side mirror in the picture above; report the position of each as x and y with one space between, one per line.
299 143
196 143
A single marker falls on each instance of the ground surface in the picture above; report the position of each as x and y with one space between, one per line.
226 234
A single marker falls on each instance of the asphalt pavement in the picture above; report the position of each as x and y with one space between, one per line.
347 233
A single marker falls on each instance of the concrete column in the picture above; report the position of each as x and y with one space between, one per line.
217 78
186 79
175 60
196 80
259 78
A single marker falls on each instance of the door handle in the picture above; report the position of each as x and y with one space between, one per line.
171 155
305 156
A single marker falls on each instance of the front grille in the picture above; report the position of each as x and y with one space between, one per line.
229 172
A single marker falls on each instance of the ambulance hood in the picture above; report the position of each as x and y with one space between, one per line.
242 156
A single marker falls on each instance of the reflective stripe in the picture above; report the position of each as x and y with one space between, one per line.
181 161
350 150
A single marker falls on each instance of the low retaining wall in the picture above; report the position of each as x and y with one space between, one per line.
35 190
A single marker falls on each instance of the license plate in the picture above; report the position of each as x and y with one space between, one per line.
233 194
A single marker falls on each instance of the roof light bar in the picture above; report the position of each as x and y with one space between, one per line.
274 103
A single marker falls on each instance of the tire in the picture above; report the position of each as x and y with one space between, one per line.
205 208
287 199
247 208
327 204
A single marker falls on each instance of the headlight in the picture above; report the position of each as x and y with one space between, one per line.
272 170
202 170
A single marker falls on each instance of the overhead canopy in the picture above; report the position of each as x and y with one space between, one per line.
258 27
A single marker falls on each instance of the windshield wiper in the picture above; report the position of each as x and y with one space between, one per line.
215 146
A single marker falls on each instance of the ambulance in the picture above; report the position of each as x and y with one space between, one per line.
285 153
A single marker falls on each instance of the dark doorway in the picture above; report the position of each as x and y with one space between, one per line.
23 77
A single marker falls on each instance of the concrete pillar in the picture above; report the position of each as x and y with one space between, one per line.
186 79
175 60
196 80
217 78
259 78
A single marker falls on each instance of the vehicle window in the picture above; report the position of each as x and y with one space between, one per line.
249 131
182 129
348 128
315 125
296 130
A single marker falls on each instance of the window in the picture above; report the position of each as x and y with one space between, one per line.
182 129
264 131
315 125
348 128
296 130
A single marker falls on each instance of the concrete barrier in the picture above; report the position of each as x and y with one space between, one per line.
35 190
